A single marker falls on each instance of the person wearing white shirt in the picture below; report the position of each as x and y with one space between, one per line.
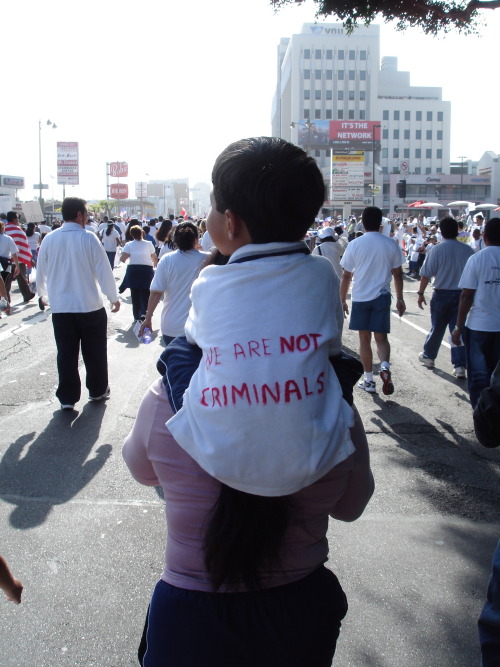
72 270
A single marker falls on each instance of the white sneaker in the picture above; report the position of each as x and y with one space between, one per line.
67 406
459 372
426 361
367 385
103 397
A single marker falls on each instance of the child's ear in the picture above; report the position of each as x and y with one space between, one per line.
235 227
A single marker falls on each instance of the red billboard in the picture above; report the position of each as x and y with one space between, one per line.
118 169
118 191
339 134
355 134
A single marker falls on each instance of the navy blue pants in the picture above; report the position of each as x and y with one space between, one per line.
296 625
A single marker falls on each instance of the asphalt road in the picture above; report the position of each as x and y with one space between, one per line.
87 541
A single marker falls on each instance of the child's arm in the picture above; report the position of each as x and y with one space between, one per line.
361 483
12 588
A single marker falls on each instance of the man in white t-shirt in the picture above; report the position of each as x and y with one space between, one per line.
480 304
373 259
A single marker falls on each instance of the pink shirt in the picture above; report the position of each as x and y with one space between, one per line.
154 458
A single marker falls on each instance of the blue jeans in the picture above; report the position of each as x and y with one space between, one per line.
444 309
483 352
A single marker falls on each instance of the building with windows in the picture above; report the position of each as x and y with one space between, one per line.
326 76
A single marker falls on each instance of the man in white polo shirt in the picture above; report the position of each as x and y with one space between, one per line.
72 266
373 259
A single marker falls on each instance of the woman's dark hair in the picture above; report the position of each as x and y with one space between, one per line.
162 233
110 227
30 229
244 535
133 222
136 233
185 235
272 185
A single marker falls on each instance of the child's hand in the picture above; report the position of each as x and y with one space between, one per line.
14 591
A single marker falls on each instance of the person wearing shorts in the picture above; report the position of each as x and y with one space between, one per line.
373 259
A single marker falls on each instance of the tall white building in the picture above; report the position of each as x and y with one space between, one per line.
326 76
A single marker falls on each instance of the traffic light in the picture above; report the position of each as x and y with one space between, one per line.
401 189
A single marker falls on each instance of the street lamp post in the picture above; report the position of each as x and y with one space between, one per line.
54 126
307 125
462 158
373 162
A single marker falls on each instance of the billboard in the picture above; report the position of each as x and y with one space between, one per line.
339 134
118 169
141 189
348 177
118 191
67 163
12 181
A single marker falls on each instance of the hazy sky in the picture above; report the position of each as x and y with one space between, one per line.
166 86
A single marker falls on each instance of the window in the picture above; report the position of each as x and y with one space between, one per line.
352 55
418 153
419 115
328 114
340 95
362 95
362 75
407 115
395 152
306 113
351 95
384 152
340 54
439 153
429 115
317 54
417 170
439 170
428 170
329 95
307 53
362 114
396 115
307 94
341 74
406 153
362 55
352 74
385 114
428 134
329 74
317 114
418 134
317 74
329 54
407 134
385 134
340 114
440 115
428 153
307 74
317 153
439 135
351 114
317 94
396 134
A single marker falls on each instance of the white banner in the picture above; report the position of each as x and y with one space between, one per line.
67 163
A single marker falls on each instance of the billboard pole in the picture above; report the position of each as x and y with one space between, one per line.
107 181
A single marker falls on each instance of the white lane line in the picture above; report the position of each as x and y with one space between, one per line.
39 317
14 498
415 326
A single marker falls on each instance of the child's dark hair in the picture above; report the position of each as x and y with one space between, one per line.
272 185
185 235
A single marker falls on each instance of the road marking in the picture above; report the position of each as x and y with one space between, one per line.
13 331
14 499
415 326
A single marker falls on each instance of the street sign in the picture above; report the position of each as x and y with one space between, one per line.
404 166
141 189
37 186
